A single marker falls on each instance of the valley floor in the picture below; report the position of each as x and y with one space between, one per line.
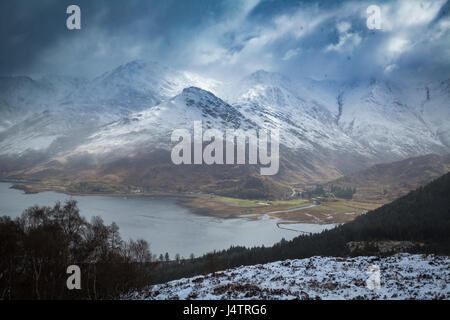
288 211
296 210
403 276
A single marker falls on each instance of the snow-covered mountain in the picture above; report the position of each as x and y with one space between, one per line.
381 117
135 86
32 116
35 113
19 97
326 126
273 101
435 109
154 126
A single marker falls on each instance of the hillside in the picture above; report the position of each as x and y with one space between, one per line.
402 277
392 180
422 216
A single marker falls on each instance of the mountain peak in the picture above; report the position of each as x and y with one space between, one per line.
200 97
141 63
210 106
139 66
266 77
195 90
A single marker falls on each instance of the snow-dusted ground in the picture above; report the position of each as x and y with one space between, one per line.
403 276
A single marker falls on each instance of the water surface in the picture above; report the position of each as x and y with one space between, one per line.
167 226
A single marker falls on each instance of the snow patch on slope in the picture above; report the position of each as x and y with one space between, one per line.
403 276
155 125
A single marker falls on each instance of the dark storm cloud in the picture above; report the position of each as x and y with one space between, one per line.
29 29
26 28
228 38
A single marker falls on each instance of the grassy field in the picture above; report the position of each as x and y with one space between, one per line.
332 211
236 202
251 203
329 210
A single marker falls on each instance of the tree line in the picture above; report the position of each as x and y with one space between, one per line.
37 248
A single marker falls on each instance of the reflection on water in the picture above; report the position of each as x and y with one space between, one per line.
167 226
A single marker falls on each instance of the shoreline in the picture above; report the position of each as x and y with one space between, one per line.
180 198
211 205
58 189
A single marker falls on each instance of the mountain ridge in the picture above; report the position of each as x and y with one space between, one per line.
138 104
395 179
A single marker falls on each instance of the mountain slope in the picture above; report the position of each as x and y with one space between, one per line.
155 125
134 86
434 97
19 98
378 116
392 180
273 101
76 107
402 277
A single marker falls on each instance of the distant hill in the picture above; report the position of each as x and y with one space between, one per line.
392 180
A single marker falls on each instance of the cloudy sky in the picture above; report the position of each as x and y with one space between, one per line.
229 38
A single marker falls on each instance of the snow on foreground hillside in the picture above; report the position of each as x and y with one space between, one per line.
403 276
